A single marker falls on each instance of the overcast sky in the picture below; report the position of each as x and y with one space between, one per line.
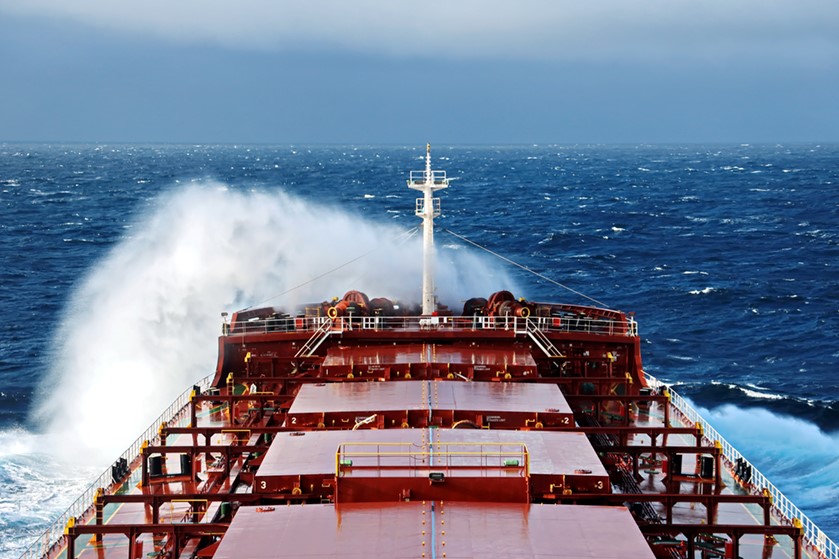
447 71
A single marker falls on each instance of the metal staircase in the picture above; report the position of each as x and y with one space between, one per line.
320 334
539 338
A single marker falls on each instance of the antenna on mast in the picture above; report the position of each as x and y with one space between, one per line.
428 208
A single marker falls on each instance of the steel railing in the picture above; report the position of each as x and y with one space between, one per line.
580 324
784 507
55 531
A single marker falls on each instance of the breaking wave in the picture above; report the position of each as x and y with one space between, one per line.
800 458
822 413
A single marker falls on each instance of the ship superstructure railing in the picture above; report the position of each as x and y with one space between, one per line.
84 504
759 482
578 324
484 456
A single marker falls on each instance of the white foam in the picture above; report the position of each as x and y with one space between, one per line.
682 357
757 392
704 291
35 488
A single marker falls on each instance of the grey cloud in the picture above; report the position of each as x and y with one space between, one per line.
529 29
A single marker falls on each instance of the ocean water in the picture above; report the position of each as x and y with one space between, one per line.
116 260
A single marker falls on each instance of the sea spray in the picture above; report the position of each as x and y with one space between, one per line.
142 325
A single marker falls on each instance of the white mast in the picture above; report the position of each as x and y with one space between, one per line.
428 208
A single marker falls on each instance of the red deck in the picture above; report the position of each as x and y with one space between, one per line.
424 403
390 465
434 529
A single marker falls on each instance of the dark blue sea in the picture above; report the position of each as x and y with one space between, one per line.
117 260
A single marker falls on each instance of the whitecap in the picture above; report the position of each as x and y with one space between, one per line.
755 392
682 357
702 291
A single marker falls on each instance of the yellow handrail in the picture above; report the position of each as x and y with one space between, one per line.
343 453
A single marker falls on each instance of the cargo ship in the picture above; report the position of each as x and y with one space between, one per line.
362 427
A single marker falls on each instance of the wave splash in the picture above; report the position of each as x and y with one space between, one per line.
142 326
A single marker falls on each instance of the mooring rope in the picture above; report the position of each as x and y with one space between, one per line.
526 269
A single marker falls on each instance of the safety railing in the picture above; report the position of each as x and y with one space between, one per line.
784 507
419 177
580 324
55 531
436 456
